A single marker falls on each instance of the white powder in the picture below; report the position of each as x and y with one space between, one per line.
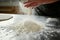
25 30
27 26
28 29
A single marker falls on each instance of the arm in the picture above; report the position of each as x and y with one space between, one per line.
34 3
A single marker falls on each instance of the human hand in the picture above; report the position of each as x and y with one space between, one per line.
35 3
32 3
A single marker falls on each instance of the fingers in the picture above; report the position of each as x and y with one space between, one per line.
31 4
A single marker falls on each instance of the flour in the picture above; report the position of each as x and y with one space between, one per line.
27 26
27 29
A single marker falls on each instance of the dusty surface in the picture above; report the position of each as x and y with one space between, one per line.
9 34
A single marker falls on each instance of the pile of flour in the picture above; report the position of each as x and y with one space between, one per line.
27 29
27 26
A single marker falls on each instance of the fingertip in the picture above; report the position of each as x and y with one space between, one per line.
26 6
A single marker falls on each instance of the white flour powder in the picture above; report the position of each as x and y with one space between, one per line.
25 30
27 26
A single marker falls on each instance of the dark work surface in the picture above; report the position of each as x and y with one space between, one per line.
50 36
54 34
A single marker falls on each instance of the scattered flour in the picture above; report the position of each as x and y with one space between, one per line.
27 26
25 30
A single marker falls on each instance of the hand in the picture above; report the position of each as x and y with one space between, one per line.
32 3
35 3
